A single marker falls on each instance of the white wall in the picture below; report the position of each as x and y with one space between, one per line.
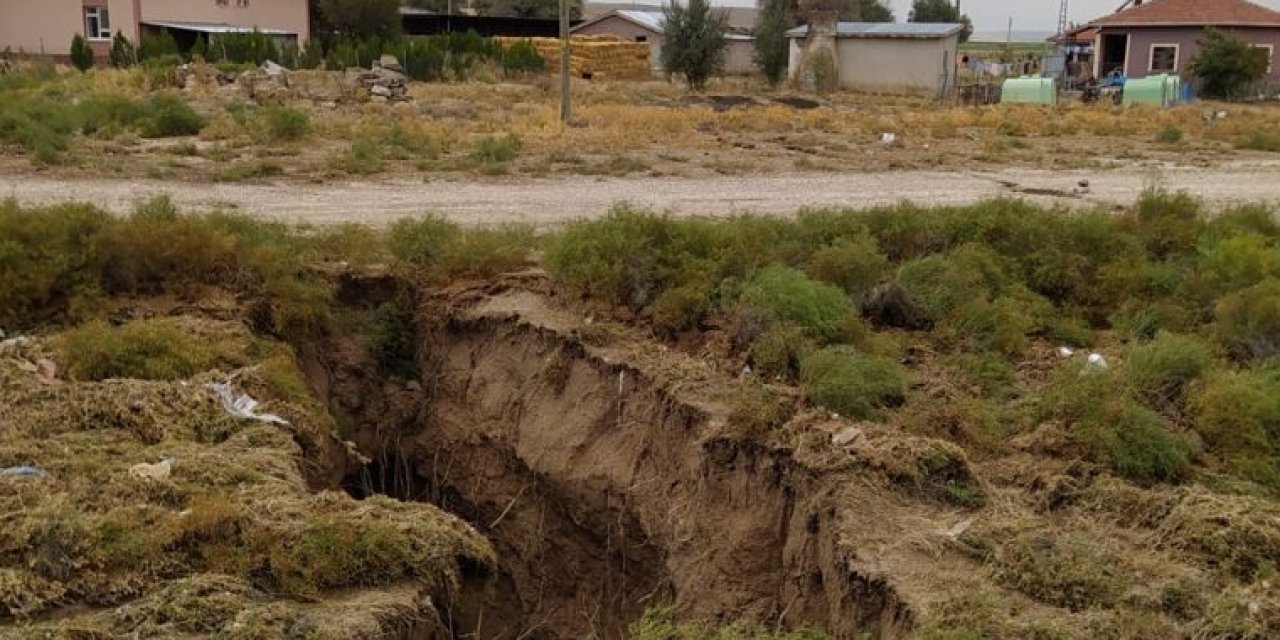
895 64
907 65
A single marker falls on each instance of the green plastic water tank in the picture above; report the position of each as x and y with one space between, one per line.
1029 91
1161 90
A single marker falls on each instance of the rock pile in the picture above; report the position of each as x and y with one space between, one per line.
385 80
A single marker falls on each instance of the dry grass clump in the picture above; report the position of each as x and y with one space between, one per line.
929 468
228 531
1073 571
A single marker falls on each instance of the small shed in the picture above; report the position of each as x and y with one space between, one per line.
911 57
636 25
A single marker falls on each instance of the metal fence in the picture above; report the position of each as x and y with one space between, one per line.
972 92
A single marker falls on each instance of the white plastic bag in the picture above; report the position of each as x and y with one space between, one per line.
242 406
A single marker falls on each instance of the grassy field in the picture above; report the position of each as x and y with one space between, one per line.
133 124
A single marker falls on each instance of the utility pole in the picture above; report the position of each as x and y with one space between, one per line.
564 62
955 62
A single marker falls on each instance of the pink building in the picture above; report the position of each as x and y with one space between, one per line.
1148 37
45 28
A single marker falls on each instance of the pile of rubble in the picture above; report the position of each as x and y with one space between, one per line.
385 80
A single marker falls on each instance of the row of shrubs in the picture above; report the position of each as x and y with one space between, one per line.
1195 297
428 58
65 263
1194 300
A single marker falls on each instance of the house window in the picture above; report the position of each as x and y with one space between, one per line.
1164 57
1270 52
97 25
642 38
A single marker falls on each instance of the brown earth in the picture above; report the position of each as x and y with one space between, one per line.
609 478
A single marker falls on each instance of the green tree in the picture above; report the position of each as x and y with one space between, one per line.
772 49
529 8
122 52
1227 64
357 18
866 11
81 53
940 11
693 41
157 45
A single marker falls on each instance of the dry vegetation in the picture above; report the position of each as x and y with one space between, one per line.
129 123
1131 501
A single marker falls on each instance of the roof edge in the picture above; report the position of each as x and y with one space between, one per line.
1160 25
802 31
620 13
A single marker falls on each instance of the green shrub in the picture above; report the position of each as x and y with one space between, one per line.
628 258
123 53
109 113
853 264
392 334
1170 223
1240 261
145 349
1133 441
1259 219
1169 134
681 307
421 242
497 150
1238 415
778 352
992 373
42 126
286 123
363 157
522 58
1159 371
823 310
1114 430
48 258
253 48
1000 325
81 53
1260 140
852 383
1247 322
943 282
157 44
168 115
486 252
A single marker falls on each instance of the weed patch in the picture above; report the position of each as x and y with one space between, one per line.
852 383
144 349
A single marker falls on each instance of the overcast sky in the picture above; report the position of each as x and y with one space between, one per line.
1032 14
993 15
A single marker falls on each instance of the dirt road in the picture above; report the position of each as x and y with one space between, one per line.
544 202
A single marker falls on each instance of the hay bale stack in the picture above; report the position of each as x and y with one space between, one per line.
601 56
